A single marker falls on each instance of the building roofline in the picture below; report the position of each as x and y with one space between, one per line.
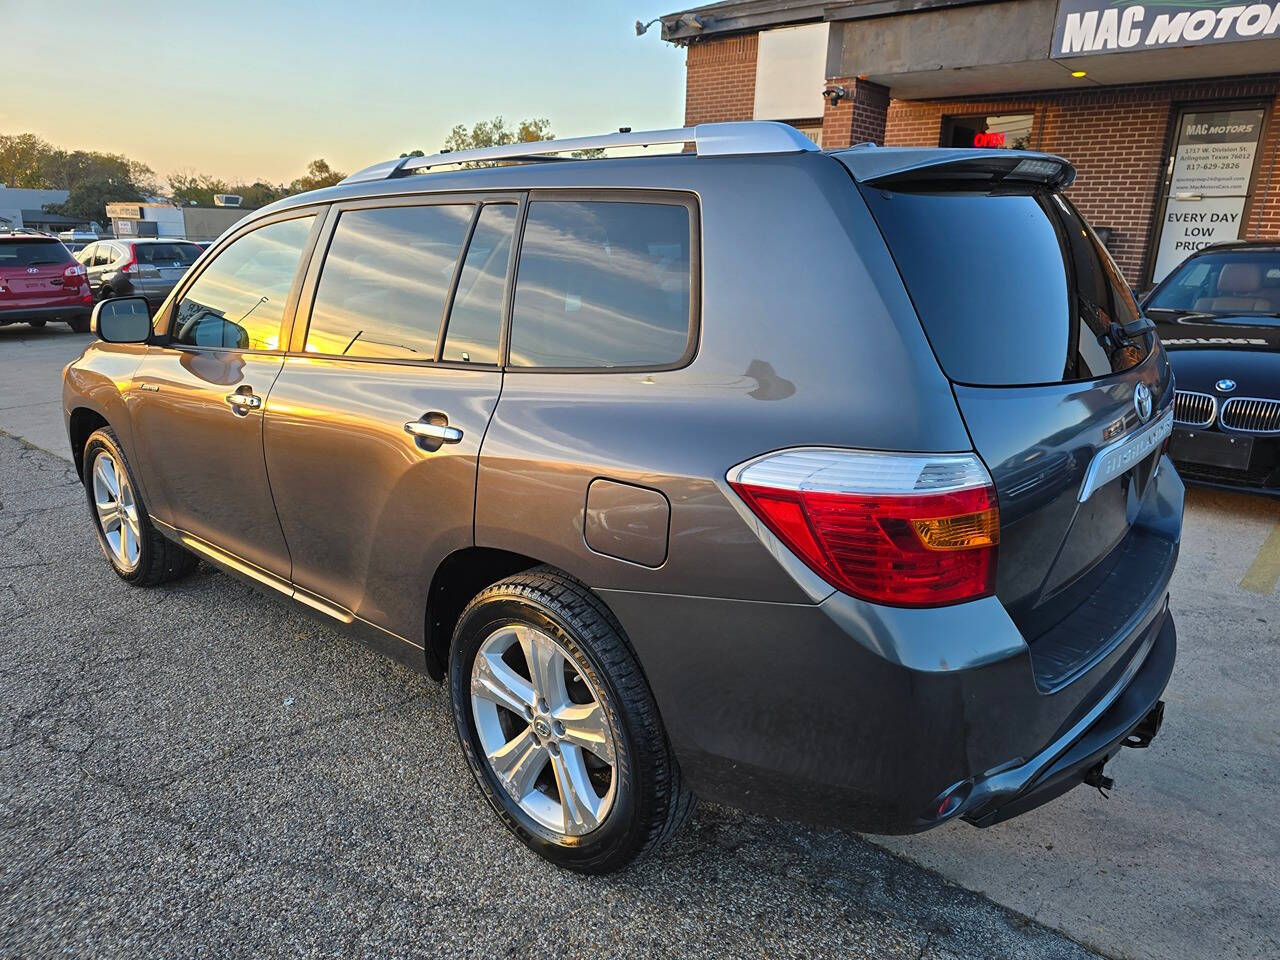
749 16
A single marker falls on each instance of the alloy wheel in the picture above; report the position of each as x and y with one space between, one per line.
117 511
543 730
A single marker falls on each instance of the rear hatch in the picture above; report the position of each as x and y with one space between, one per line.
33 273
1027 313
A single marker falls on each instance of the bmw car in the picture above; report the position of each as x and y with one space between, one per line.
1218 315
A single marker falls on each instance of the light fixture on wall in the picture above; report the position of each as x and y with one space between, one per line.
690 22
834 95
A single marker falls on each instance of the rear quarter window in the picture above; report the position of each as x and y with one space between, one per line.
1012 287
604 284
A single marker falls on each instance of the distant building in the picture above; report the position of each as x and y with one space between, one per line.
163 219
21 207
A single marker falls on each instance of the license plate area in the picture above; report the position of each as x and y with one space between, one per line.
1212 449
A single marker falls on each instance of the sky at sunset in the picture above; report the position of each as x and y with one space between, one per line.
246 91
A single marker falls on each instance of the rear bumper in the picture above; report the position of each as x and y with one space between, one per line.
1065 763
23 314
863 716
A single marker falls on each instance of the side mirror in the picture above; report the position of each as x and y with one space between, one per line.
122 320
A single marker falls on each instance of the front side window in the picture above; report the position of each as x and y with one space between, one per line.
602 284
475 319
385 281
238 301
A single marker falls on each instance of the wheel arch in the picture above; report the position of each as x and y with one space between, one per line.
80 427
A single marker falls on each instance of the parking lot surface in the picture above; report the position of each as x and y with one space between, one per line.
196 770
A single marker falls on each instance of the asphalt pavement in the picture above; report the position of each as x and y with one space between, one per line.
199 771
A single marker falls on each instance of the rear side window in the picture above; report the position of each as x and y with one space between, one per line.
385 281
475 320
603 284
1011 287
31 253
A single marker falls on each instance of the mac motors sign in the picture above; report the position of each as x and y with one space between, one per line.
1098 26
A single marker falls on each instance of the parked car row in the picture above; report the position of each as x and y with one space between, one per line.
43 279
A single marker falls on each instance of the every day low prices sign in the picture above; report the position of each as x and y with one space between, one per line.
1114 26
1209 184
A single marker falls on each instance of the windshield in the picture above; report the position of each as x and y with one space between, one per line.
1229 283
30 253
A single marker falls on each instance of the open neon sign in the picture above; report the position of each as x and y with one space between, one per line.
988 139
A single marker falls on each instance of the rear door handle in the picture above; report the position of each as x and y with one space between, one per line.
246 401
433 431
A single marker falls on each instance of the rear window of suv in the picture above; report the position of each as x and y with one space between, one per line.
1012 287
184 253
26 253
603 284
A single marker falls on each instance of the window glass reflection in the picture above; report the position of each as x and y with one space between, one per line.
602 284
385 281
476 317
238 300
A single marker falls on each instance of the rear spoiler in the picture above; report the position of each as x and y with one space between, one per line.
885 165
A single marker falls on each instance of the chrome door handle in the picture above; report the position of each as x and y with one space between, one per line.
247 400
433 431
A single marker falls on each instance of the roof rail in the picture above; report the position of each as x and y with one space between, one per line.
709 139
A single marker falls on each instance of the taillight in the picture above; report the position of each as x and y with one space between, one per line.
75 270
909 530
130 265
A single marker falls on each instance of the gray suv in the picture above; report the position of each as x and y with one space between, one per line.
144 268
829 485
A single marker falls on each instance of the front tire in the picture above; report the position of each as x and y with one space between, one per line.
138 553
559 727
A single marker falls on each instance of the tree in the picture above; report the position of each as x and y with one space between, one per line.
21 161
259 193
188 188
319 174
89 198
496 133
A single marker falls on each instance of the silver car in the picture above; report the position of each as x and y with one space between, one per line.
142 268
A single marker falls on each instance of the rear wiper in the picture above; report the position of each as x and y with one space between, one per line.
1118 333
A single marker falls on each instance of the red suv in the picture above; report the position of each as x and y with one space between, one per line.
39 281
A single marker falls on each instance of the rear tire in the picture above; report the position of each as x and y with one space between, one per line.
138 553
77 325
618 751
36 324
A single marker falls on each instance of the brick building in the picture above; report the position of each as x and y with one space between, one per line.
1169 112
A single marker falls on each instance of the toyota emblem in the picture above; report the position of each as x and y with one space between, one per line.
1225 385
1142 402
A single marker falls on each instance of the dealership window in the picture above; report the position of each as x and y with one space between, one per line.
1005 131
1207 184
